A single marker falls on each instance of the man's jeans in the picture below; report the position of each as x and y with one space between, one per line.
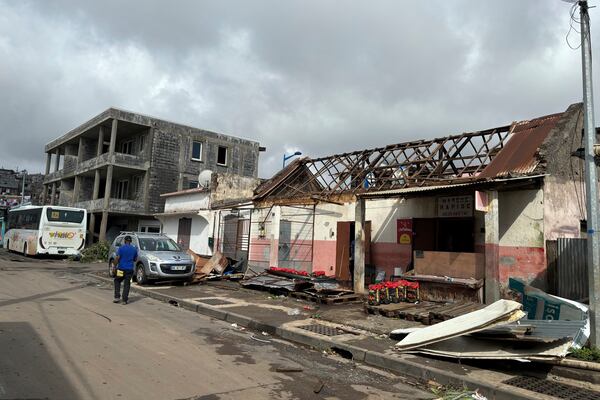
127 282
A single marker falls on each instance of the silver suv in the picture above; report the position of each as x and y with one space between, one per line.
159 258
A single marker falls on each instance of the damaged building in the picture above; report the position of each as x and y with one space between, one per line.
483 205
192 217
118 163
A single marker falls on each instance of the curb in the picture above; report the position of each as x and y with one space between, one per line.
396 364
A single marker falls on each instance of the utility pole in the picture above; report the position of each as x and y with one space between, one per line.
591 181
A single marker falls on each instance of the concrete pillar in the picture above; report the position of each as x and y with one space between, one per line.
76 189
492 249
44 193
106 203
107 188
359 246
96 185
100 141
57 160
103 226
53 194
80 150
146 190
48 161
113 137
275 223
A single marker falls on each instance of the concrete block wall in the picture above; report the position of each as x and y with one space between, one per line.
86 188
227 186
164 169
89 148
242 154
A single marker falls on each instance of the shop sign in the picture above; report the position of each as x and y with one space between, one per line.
455 206
404 231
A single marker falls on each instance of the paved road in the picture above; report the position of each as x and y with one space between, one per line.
61 337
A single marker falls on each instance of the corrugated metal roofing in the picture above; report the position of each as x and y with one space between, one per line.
417 189
519 155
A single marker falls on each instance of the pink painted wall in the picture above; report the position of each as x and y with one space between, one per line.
527 263
387 256
324 256
260 249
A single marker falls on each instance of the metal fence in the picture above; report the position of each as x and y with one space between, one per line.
571 266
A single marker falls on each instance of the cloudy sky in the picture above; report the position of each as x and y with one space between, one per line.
318 76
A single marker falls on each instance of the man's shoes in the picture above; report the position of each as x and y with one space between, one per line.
116 300
124 302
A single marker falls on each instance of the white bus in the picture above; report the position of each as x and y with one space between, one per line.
33 230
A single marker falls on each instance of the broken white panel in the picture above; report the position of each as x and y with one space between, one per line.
499 312
471 348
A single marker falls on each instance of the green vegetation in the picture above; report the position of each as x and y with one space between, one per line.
591 354
96 252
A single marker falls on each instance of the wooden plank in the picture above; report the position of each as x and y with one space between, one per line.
453 264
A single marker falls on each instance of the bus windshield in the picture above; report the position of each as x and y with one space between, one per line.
58 215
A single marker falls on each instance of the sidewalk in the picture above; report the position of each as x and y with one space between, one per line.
347 330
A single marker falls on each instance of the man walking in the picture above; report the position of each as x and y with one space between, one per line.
126 257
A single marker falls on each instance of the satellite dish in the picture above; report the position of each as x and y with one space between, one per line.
204 178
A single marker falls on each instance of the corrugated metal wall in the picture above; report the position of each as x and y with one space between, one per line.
571 265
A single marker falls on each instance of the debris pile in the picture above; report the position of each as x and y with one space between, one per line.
314 286
500 331
216 267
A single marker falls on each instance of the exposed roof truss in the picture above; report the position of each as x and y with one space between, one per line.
419 163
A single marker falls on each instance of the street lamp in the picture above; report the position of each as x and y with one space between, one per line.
285 158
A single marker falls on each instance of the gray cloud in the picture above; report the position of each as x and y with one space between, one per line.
320 76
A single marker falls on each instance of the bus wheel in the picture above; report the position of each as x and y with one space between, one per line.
25 249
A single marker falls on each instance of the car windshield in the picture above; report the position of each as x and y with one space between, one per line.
158 244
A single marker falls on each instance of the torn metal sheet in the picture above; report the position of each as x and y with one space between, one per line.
473 348
500 312
541 306
269 281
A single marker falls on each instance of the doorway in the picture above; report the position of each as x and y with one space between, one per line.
183 233
344 255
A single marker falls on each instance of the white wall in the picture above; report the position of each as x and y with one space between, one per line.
199 233
564 206
187 202
521 218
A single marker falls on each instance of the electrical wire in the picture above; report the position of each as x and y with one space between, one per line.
577 188
572 20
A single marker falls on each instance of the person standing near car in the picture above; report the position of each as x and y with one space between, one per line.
125 260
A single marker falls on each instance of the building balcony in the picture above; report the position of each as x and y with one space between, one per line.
119 160
114 205
54 176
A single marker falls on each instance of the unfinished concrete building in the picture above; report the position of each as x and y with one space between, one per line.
118 163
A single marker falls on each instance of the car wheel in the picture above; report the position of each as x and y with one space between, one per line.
111 268
140 275
8 245
25 250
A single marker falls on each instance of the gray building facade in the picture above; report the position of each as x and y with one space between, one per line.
117 164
